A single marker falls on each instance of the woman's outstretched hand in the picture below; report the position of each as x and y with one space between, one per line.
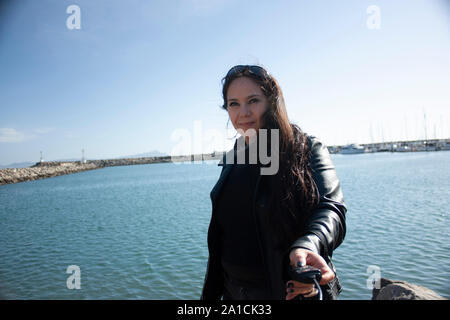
306 257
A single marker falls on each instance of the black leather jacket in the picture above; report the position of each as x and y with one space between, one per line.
326 229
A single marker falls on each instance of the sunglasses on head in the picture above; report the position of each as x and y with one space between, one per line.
256 70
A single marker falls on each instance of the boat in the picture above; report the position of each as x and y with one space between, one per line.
352 149
403 148
446 146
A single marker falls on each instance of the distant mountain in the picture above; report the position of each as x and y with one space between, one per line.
66 160
153 153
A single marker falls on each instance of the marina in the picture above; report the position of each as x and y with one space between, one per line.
393 146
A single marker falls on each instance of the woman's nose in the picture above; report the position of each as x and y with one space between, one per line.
245 111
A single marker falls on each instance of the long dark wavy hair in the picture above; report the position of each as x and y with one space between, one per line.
293 191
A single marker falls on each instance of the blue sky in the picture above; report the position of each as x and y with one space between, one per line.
137 72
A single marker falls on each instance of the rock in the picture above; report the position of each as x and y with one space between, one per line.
42 171
401 290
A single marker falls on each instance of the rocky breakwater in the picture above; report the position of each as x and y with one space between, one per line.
43 170
129 161
49 169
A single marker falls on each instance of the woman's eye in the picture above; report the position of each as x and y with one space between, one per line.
232 104
253 100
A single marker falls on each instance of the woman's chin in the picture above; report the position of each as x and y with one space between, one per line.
248 130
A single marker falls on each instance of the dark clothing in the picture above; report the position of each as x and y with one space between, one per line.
234 216
325 232
241 257
238 290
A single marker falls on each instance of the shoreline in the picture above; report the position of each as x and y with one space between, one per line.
43 170
16 175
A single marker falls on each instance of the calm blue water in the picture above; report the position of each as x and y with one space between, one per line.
139 232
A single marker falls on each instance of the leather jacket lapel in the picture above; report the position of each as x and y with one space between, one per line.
225 170
215 191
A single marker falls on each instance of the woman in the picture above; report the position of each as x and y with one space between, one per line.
261 224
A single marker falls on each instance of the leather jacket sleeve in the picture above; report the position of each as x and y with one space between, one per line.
325 228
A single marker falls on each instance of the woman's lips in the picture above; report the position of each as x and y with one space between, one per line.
248 126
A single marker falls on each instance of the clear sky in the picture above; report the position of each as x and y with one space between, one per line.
139 74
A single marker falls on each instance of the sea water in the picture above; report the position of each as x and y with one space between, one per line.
140 232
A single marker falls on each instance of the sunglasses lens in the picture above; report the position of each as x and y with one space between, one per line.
241 68
256 70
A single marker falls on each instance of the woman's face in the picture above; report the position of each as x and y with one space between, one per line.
246 103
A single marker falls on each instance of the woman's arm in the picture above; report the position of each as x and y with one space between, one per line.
326 226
